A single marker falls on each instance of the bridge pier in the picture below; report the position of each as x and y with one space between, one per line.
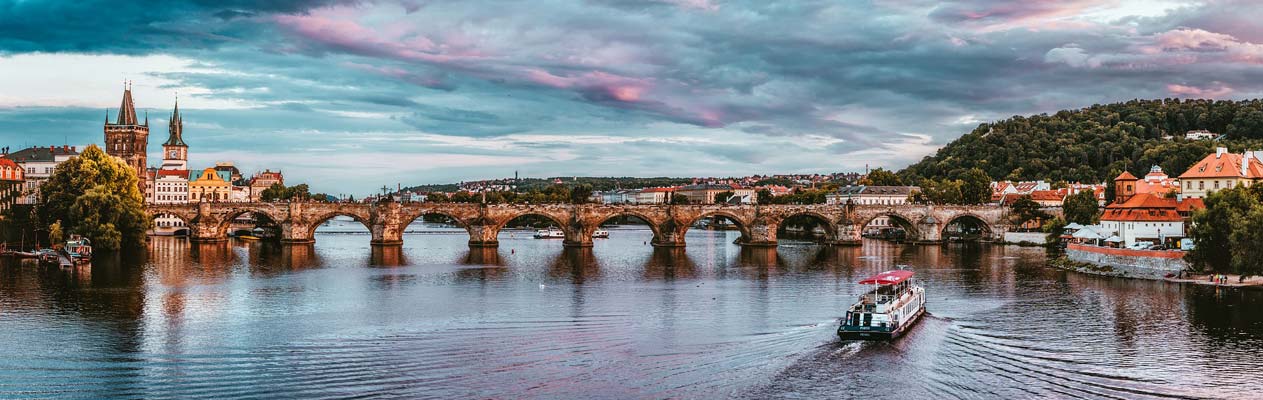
849 234
483 236
297 233
206 232
761 235
929 231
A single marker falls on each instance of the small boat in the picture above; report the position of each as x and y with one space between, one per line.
248 237
48 257
886 312
79 249
550 233
601 234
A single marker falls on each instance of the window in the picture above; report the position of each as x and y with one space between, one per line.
1216 184
1201 185
1230 184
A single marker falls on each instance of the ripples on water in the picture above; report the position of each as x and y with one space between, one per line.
622 320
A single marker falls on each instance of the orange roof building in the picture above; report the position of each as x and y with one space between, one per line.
1222 170
1149 217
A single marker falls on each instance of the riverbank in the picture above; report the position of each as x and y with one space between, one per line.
1063 262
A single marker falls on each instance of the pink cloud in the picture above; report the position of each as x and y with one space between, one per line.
1220 90
1195 39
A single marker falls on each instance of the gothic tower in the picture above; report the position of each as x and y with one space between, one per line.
127 138
175 154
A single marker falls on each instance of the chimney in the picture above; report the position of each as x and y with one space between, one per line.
73 149
1219 151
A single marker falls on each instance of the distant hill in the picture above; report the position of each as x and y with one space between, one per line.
1096 143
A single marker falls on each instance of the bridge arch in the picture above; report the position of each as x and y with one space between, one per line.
225 219
743 225
592 224
907 222
830 226
173 222
987 230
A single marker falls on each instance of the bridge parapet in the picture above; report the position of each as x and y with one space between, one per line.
758 224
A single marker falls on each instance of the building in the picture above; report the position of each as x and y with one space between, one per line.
11 184
128 138
37 165
1000 189
263 180
1045 198
864 194
1222 170
1200 134
1158 183
175 154
620 196
1148 217
209 186
1098 190
171 186
658 195
705 193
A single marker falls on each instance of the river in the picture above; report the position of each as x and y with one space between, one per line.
621 320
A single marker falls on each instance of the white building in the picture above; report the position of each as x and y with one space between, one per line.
660 195
38 163
1200 134
863 194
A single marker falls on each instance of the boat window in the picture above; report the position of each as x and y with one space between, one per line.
868 319
855 319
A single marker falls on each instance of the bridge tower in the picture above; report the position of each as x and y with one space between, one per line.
128 138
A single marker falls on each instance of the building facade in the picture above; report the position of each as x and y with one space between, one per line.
1221 170
209 186
658 195
128 138
705 193
263 180
864 194
38 164
12 179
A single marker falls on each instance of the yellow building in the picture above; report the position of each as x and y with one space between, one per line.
1222 170
209 186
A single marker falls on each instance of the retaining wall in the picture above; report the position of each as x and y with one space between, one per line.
1033 238
1143 264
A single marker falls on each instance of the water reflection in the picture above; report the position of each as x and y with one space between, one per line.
622 319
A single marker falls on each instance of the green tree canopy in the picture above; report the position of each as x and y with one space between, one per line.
975 187
97 196
881 177
1082 208
1026 209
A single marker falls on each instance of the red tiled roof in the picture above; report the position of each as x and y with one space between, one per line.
1226 165
1150 207
183 173
1125 176
1048 195
655 190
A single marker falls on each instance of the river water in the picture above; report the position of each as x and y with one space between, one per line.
621 320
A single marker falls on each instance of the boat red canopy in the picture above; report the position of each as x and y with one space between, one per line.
887 278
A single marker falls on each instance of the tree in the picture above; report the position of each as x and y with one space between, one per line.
679 199
273 193
975 187
1213 227
1246 241
722 197
1025 209
437 198
55 235
881 177
764 196
581 194
1082 208
97 196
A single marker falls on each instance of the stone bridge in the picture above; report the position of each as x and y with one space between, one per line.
843 224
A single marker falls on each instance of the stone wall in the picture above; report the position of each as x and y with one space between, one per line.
1026 238
1143 264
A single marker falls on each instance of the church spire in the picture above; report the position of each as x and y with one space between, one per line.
127 111
175 127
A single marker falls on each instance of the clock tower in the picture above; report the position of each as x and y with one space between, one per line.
175 154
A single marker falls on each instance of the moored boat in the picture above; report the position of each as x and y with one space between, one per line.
79 249
550 233
887 311
601 234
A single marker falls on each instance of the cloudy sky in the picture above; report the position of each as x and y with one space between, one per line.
353 95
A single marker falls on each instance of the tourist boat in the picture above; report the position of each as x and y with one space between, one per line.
601 234
79 249
550 233
886 312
